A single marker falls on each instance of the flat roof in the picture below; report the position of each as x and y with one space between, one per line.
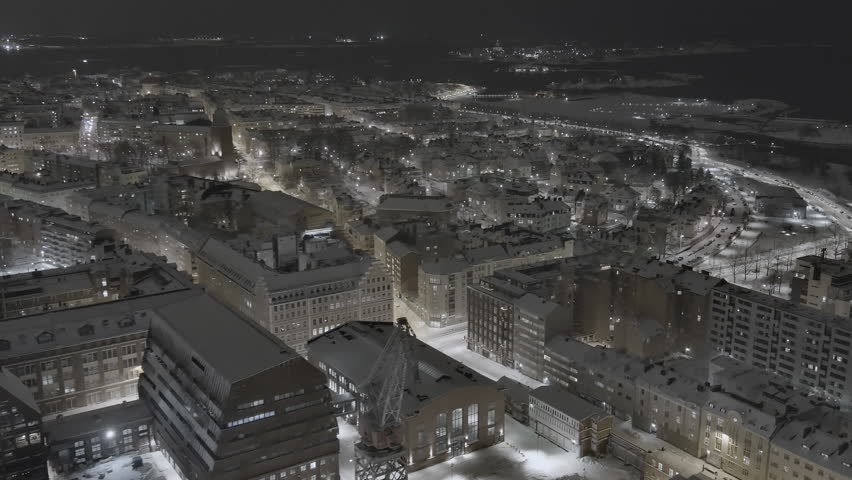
597 357
784 305
415 203
70 427
58 329
233 346
566 402
353 348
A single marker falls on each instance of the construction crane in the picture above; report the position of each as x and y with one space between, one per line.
380 454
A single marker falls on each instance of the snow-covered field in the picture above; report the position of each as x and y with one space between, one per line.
155 467
523 455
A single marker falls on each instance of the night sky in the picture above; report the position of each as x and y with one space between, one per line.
616 20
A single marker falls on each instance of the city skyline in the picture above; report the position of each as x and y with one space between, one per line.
607 21
385 241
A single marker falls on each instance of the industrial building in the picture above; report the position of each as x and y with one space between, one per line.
447 409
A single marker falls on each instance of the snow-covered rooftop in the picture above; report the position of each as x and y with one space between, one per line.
353 348
213 330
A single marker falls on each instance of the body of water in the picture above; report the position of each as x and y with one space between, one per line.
814 80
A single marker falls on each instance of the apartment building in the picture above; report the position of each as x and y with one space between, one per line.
808 347
119 277
668 401
824 284
491 319
23 451
735 435
81 357
45 190
600 375
12 134
645 307
442 290
296 306
66 240
537 320
815 448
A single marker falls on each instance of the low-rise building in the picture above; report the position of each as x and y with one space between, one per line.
396 208
12 134
540 215
774 200
593 210
91 436
491 319
447 408
816 447
570 422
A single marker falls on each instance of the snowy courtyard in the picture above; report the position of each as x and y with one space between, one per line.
154 467
524 455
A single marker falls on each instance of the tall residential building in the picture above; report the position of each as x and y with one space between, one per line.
491 319
23 453
645 307
441 292
12 134
807 347
231 401
537 320
823 284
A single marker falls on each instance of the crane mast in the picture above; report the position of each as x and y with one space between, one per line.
380 454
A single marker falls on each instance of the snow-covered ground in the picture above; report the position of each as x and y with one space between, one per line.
451 341
155 467
524 455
